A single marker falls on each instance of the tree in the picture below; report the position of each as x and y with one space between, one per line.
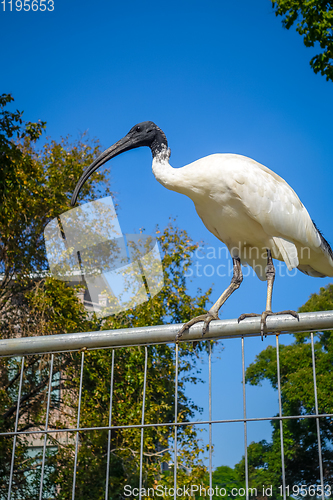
315 21
11 126
172 302
226 482
49 307
36 186
297 393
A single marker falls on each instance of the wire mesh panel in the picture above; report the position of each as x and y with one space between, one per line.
115 421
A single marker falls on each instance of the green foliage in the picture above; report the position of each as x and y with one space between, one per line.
11 125
226 479
128 390
297 393
50 307
315 20
36 186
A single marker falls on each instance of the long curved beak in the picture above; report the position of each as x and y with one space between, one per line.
119 147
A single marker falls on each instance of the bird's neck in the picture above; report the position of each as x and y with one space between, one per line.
160 144
164 172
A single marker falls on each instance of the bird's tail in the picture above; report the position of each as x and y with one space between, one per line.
325 265
325 246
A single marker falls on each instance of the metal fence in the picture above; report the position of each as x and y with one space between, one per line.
226 329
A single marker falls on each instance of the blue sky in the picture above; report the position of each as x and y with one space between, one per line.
216 76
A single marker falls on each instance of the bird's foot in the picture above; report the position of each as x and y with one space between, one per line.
263 326
206 318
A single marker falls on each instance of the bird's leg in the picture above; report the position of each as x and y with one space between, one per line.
236 280
270 275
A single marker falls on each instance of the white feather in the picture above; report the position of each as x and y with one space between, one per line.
250 209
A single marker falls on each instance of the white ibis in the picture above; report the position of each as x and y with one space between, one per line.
245 205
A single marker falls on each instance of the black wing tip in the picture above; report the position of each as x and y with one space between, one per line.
324 243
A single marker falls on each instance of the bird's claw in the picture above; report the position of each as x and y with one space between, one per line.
247 315
206 318
263 325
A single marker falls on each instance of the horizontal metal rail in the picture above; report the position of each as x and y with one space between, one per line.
113 339
166 424
222 329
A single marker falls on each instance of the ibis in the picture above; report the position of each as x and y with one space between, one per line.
247 206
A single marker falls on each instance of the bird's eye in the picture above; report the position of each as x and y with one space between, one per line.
138 129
